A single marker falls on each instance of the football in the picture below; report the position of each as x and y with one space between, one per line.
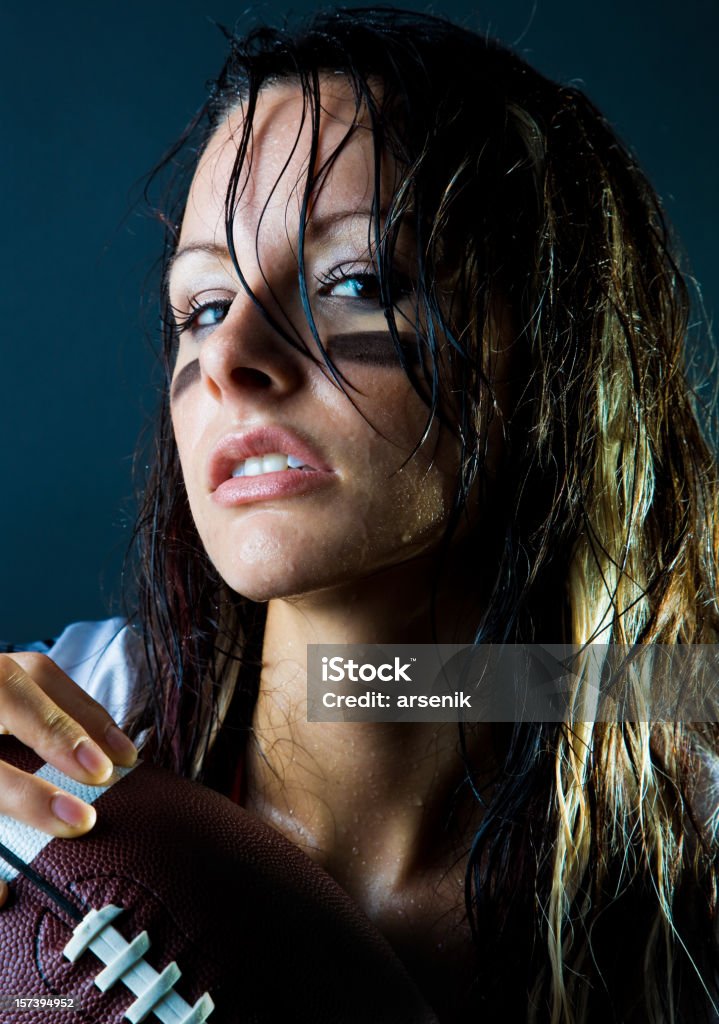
181 907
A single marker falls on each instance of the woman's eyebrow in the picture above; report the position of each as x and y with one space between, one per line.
325 223
209 248
329 223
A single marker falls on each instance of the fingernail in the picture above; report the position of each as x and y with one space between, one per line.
72 811
89 756
119 743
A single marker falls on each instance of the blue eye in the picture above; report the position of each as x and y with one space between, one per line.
211 315
353 286
201 316
360 283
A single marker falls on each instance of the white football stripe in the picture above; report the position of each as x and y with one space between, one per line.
27 842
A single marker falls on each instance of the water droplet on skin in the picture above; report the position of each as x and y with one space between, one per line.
355 851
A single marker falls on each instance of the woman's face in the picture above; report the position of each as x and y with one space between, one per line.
244 400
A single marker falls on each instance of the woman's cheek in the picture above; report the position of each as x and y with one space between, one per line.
409 493
401 505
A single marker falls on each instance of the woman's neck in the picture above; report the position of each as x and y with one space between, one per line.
368 801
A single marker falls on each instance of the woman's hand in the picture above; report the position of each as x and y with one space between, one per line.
46 710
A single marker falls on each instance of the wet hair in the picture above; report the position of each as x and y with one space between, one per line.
591 884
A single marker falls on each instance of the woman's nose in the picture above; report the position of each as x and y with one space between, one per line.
247 354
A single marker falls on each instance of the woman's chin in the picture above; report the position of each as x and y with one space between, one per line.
259 567
264 566
274 581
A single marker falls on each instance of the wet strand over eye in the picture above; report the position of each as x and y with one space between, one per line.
358 293
355 286
360 284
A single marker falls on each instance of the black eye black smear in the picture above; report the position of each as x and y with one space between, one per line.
374 348
186 376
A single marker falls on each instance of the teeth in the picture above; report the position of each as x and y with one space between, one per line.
274 462
254 467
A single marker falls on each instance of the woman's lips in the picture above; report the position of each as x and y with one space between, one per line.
234 449
287 483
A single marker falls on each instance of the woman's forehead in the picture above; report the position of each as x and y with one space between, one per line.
273 177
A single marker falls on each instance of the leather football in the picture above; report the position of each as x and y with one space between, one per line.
180 906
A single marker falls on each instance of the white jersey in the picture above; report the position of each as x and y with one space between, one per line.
104 658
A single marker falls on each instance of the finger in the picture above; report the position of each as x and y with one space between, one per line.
38 722
78 705
4 892
42 805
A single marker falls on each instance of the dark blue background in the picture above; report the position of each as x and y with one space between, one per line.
90 96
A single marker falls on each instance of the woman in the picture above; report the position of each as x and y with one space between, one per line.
424 350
